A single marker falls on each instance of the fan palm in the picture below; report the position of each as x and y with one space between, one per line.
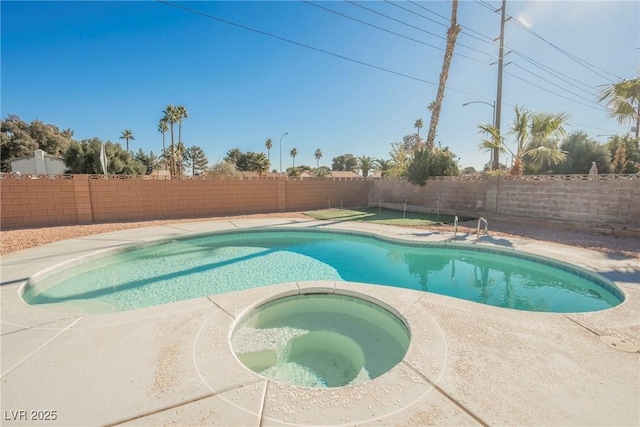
163 128
419 125
294 153
318 156
624 101
127 135
268 144
170 116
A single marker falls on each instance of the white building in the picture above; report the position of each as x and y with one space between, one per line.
38 163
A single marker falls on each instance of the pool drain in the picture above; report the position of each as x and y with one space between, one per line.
620 344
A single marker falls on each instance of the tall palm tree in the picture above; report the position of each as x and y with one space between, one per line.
170 116
268 144
318 156
452 35
182 114
419 125
294 153
163 128
127 135
624 101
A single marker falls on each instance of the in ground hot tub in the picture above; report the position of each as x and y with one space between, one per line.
320 340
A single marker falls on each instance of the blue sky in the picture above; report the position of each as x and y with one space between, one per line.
102 67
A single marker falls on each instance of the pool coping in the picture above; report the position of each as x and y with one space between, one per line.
180 377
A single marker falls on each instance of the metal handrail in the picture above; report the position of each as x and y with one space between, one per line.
486 227
455 226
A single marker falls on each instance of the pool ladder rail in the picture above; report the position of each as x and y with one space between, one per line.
481 221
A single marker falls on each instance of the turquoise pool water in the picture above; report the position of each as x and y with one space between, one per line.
213 264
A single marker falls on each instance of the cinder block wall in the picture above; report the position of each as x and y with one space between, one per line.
588 202
137 200
615 202
81 200
447 195
36 202
312 194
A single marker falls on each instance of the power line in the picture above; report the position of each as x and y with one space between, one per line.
372 25
580 61
552 83
264 33
553 93
392 32
416 28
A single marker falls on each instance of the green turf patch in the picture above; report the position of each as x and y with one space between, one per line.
382 216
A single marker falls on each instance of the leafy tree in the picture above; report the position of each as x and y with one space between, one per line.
127 135
198 160
224 170
318 156
426 163
452 35
149 160
19 139
365 164
412 143
469 170
581 151
620 159
294 153
268 145
400 160
345 162
49 138
248 161
84 157
623 99
631 151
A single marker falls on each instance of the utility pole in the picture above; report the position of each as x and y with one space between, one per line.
496 151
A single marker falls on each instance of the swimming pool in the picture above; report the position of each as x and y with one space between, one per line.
202 265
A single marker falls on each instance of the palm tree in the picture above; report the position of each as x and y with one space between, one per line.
537 137
384 166
260 163
182 114
163 128
268 144
452 35
127 135
318 156
624 101
294 153
419 125
170 116
366 164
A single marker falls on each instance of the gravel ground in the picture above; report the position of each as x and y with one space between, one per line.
16 240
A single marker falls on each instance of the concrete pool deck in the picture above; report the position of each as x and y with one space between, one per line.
468 363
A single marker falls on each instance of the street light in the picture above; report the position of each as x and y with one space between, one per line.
285 134
494 154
